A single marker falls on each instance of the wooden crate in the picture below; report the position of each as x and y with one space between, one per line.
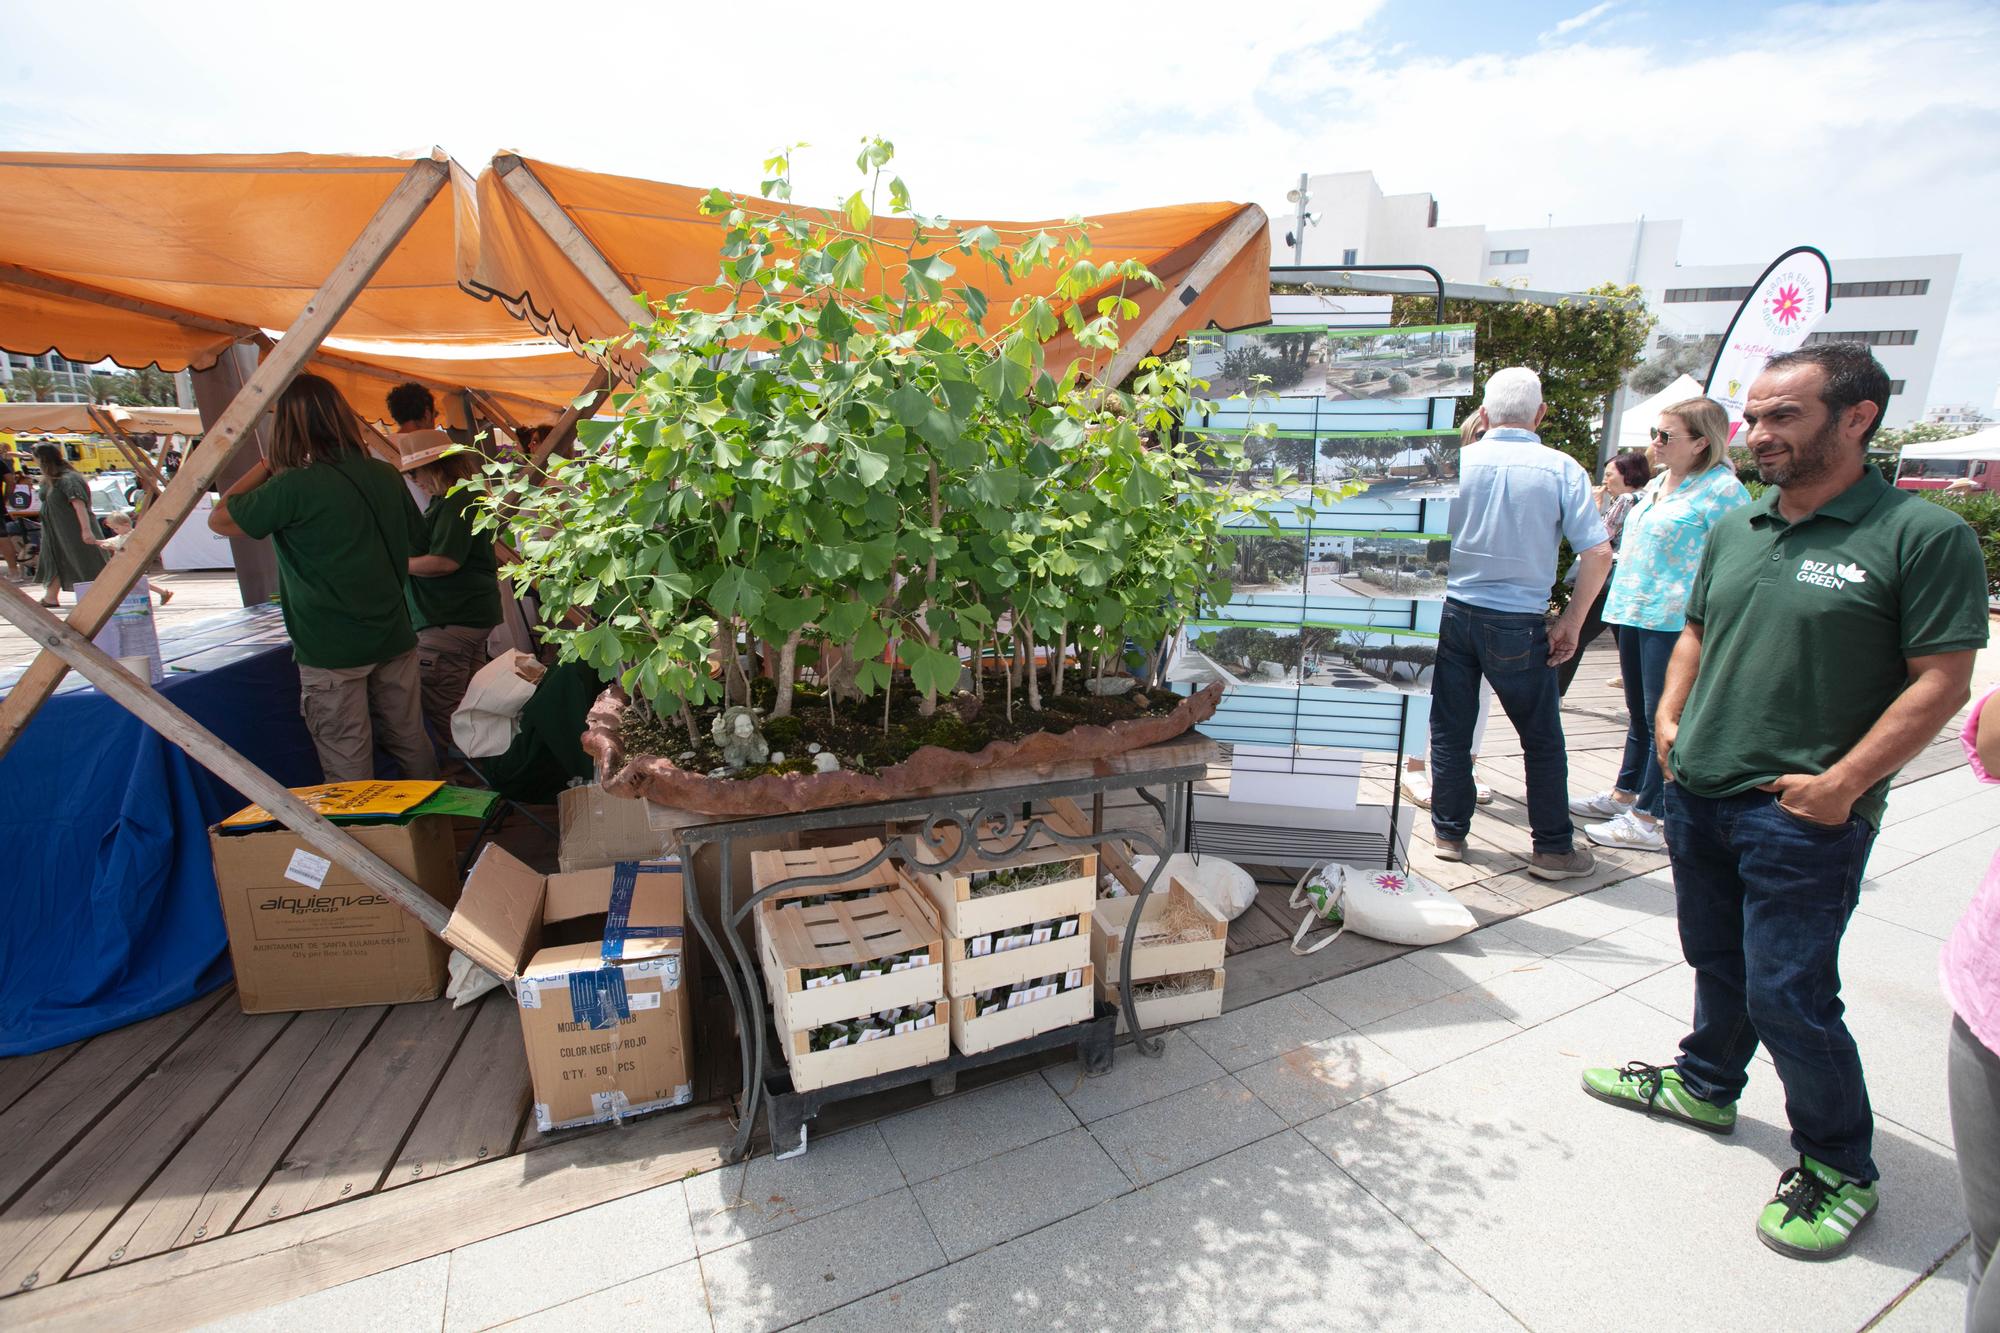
1167 1011
794 938
976 1035
965 973
964 916
822 1069
1113 915
769 867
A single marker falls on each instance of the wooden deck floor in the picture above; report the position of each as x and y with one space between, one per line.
271 1155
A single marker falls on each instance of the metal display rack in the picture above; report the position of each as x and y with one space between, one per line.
994 822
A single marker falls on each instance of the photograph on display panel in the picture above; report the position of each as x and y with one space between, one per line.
1304 569
1298 361
1360 658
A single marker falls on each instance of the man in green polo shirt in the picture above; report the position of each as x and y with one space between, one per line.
453 588
1830 637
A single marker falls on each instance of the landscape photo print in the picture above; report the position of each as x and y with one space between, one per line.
1302 361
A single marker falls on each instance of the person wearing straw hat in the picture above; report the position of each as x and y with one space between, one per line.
344 529
454 590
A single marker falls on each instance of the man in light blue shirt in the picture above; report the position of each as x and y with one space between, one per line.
1517 500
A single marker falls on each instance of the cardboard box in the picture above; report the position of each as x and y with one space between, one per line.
304 933
598 829
605 1018
1113 915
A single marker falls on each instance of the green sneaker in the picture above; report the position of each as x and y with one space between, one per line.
1816 1212
1657 1090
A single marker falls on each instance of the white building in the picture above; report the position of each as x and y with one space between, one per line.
71 381
1955 414
1896 305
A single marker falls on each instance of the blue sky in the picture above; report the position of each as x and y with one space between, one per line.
1868 127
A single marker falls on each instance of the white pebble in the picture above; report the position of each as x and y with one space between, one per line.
813 748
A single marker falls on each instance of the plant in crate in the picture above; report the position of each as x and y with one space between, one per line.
854 489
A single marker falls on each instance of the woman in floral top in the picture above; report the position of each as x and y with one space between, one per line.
1665 534
1624 476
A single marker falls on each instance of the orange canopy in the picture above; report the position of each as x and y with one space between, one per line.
170 259
655 240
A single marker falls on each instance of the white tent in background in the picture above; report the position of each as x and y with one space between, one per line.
1982 444
1640 418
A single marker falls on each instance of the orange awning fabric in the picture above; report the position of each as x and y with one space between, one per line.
656 238
171 259
77 418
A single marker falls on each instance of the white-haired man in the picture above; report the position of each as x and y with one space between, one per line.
1517 500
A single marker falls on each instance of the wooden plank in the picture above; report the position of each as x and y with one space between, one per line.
27 279
398 213
1265 922
565 425
60 1216
475 1115
596 269
355 1137
205 748
62 1106
265 1265
204 1189
20 1073
1249 228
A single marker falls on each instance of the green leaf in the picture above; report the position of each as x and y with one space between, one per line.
857 211
870 639
932 669
999 487
591 433
909 405
1143 489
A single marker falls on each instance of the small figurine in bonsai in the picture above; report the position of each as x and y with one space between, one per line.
735 733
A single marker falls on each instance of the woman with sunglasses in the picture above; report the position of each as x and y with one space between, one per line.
1660 550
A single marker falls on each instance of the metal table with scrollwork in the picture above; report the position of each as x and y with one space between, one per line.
994 821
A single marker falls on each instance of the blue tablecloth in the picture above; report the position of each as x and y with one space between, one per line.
109 913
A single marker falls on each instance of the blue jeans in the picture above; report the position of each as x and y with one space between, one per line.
1642 663
1764 898
1511 650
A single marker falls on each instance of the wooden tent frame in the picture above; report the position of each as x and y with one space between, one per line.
67 646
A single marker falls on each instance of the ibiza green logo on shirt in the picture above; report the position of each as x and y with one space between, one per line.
1827 575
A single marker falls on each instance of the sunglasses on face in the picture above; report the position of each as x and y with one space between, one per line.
1667 436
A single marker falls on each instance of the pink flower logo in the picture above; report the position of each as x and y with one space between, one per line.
1391 882
1788 305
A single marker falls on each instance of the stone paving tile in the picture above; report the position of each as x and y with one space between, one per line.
1134 1079
1536 992
1156 1140
567 1257
1900 1021
671 1300
1557 929
1623 957
794 1274
1441 1031
1500 1162
1929 893
1375 993
765 1194
1945 824
1934 1305
1471 959
1257 1032
957 1131
407 1298
1012 1194
1923 796
1270 1237
1323 1075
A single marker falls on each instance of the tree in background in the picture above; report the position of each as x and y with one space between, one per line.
1924 432
33 385
1674 358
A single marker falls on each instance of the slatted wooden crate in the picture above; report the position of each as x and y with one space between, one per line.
1165 1011
1156 958
822 1069
795 939
965 915
973 1035
769 867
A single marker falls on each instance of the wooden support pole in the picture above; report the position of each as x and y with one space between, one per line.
108 426
1249 226
398 213
579 249
27 279
203 746
566 424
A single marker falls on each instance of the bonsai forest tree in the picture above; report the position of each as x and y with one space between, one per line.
854 451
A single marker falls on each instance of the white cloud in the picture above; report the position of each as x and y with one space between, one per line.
1585 19
1866 129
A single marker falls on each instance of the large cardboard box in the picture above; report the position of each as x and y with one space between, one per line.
304 933
599 829
599 960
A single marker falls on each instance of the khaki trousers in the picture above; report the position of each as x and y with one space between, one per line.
349 709
447 656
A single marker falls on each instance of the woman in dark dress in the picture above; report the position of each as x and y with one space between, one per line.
68 527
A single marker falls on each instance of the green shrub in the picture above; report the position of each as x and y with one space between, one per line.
1981 511
1399 383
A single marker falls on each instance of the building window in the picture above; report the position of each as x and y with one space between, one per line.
1901 287
1349 256
1498 257
1895 387
1869 337
1682 295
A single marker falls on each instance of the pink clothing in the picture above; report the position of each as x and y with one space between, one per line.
1970 967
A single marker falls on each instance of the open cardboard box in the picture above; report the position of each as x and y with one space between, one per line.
603 1008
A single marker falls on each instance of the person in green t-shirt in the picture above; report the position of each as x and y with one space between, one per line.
454 588
344 527
1830 634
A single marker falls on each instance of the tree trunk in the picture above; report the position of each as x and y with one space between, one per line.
889 687
1061 658
687 716
1028 665
788 659
929 705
